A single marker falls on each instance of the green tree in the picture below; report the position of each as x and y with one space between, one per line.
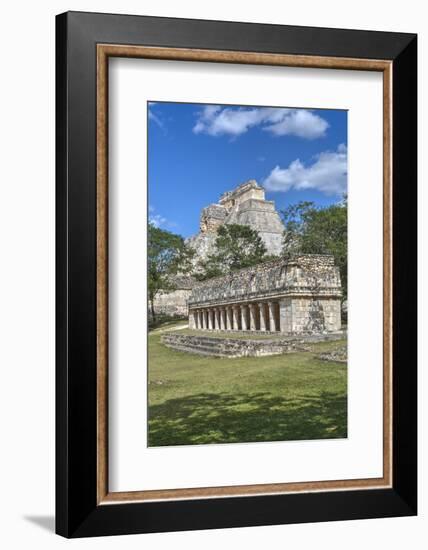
236 246
167 256
312 230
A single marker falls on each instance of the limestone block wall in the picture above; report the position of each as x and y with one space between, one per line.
332 314
245 191
302 274
286 307
272 242
245 205
313 316
260 215
212 217
203 244
172 303
297 295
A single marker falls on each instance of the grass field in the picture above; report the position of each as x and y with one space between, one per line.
198 400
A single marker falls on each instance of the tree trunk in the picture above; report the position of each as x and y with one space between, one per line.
152 309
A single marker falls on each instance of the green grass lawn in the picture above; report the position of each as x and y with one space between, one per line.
198 400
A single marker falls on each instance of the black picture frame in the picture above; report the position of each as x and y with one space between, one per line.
77 511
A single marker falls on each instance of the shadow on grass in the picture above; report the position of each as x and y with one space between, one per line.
213 418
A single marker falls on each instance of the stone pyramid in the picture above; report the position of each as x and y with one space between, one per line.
244 205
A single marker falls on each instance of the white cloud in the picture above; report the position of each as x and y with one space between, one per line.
327 174
234 121
157 220
301 123
156 118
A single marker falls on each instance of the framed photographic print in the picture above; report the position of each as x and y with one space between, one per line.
236 274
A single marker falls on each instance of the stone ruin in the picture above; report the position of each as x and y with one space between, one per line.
244 205
217 345
298 295
174 303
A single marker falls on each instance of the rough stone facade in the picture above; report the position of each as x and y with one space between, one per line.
220 346
298 295
174 302
245 205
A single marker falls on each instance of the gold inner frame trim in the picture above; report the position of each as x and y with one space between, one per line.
104 51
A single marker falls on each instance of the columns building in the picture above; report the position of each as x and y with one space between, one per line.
297 295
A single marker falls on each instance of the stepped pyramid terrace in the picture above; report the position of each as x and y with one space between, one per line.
244 205
296 295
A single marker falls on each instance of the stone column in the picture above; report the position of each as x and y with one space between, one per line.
262 316
217 318
222 319
210 319
229 318
191 319
244 324
253 316
236 314
201 316
272 324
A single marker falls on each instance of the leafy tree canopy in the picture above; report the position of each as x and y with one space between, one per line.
312 230
236 246
167 256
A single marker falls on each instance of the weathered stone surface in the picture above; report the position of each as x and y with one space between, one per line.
172 303
305 275
212 217
235 347
203 244
245 205
298 295
339 355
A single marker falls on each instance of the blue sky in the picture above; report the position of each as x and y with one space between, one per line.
196 152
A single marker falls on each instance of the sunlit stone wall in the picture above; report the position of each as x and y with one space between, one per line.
301 294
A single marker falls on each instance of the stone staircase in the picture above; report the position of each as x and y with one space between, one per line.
226 347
